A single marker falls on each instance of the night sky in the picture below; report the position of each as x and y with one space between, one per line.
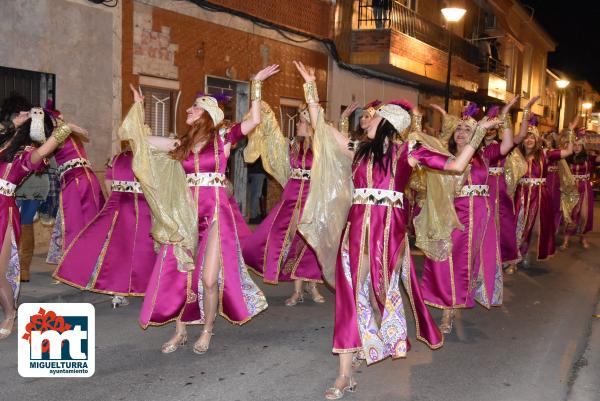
575 27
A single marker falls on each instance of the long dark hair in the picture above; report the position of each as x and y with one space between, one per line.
19 138
376 147
537 150
578 158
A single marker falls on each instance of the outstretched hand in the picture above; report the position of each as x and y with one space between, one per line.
137 96
488 123
438 108
349 110
510 104
267 72
574 123
532 101
308 73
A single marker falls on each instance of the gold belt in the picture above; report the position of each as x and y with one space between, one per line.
126 186
378 197
300 174
71 164
206 180
474 190
7 188
496 170
532 181
553 169
581 177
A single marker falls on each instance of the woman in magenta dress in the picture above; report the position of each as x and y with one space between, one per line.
473 270
179 289
114 253
276 250
582 165
374 254
553 182
532 198
18 159
81 195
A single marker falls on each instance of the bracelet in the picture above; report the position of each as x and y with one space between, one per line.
255 90
526 113
344 125
61 133
310 92
506 121
570 135
417 123
477 137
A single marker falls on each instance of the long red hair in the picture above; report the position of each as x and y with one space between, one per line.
202 130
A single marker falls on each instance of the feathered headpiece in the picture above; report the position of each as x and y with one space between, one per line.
580 136
468 115
450 122
533 125
221 98
493 112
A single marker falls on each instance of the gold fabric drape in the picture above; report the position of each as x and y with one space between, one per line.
449 124
267 142
165 188
328 202
569 195
515 167
437 219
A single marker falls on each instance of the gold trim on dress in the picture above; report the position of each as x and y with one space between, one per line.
206 180
71 164
496 171
378 197
474 190
7 188
532 181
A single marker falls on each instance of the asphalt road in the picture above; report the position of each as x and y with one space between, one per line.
529 349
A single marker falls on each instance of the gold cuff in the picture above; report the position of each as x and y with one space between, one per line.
526 113
506 121
344 125
255 90
310 92
417 123
61 133
477 137
570 135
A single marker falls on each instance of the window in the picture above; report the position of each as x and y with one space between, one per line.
288 116
159 109
36 87
237 91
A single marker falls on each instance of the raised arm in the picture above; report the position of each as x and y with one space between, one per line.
312 99
59 135
507 143
462 160
525 121
248 125
344 123
564 153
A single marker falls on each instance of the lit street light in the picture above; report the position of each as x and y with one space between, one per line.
451 14
561 84
586 106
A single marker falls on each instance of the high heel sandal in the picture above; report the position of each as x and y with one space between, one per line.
118 301
447 320
296 298
201 349
334 393
4 333
169 347
511 269
314 292
584 243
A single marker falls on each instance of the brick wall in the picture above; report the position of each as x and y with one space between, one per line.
311 16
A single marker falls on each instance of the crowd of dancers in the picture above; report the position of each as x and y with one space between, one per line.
171 231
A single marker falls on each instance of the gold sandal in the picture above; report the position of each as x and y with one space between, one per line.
314 292
201 349
4 333
296 298
172 346
447 320
334 393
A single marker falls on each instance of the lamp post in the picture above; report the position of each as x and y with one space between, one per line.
561 84
586 106
451 14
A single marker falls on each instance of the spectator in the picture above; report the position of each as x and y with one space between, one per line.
381 10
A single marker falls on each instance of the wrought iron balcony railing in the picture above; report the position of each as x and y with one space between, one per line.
392 14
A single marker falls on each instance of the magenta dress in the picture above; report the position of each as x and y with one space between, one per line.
504 213
583 212
12 175
172 294
114 253
473 272
275 250
81 197
533 202
376 237
553 184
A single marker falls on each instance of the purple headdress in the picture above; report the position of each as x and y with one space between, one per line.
405 104
493 112
533 121
49 108
374 104
220 97
471 110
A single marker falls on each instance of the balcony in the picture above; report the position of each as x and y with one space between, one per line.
397 41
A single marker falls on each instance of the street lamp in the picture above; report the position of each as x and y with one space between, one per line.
451 14
561 84
586 106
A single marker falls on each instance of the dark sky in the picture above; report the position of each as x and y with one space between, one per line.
575 26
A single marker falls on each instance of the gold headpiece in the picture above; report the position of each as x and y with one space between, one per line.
211 106
396 115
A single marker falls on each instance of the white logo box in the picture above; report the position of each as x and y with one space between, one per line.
77 362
